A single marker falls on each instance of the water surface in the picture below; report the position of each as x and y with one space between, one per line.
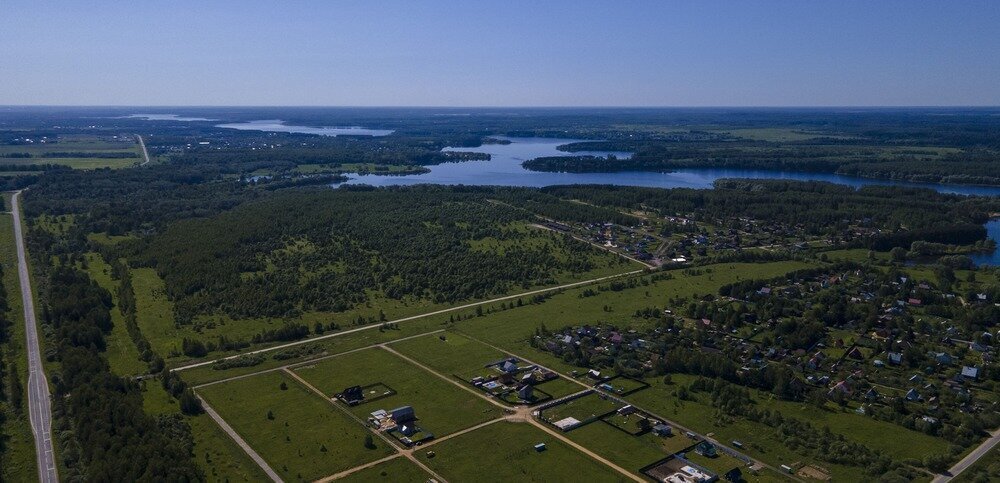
504 169
168 117
277 125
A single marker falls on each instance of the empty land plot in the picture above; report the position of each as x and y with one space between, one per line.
629 452
300 435
441 407
454 354
399 470
506 452
581 409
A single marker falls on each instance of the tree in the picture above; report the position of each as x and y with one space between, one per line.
369 441
270 415
898 254
190 404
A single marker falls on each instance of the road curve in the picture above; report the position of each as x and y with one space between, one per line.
39 401
971 458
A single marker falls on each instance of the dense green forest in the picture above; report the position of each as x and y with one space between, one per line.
327 250
104 435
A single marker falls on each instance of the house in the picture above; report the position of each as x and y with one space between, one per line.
540 447
895 358
626 410
352 395
855 354
526 392
734 475
872 394
407 430
706 449
840 387
508 367
912 395
942 358
969 372
402 415
662 430
913 301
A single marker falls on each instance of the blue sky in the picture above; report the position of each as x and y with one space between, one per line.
511 53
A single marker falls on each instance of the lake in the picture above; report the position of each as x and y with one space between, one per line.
504 169
277 125
167 117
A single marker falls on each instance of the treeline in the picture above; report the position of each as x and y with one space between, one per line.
99 421
11 387
902 215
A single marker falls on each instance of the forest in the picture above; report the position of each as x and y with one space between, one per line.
327 250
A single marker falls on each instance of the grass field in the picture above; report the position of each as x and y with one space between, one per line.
505 452
122 355
511 329
629 452
441 407
581 408
456 354
399 470
18 460
91 145
759 441
215 452
307 438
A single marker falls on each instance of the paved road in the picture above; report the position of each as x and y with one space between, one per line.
145 154
405 319
39 402
971 458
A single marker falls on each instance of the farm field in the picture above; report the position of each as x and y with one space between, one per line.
305 438
441 407
505 452
90 149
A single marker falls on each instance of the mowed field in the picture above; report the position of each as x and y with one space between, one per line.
304 438
505 452
441 407
78 152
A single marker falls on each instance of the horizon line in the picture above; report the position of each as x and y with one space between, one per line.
374 106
